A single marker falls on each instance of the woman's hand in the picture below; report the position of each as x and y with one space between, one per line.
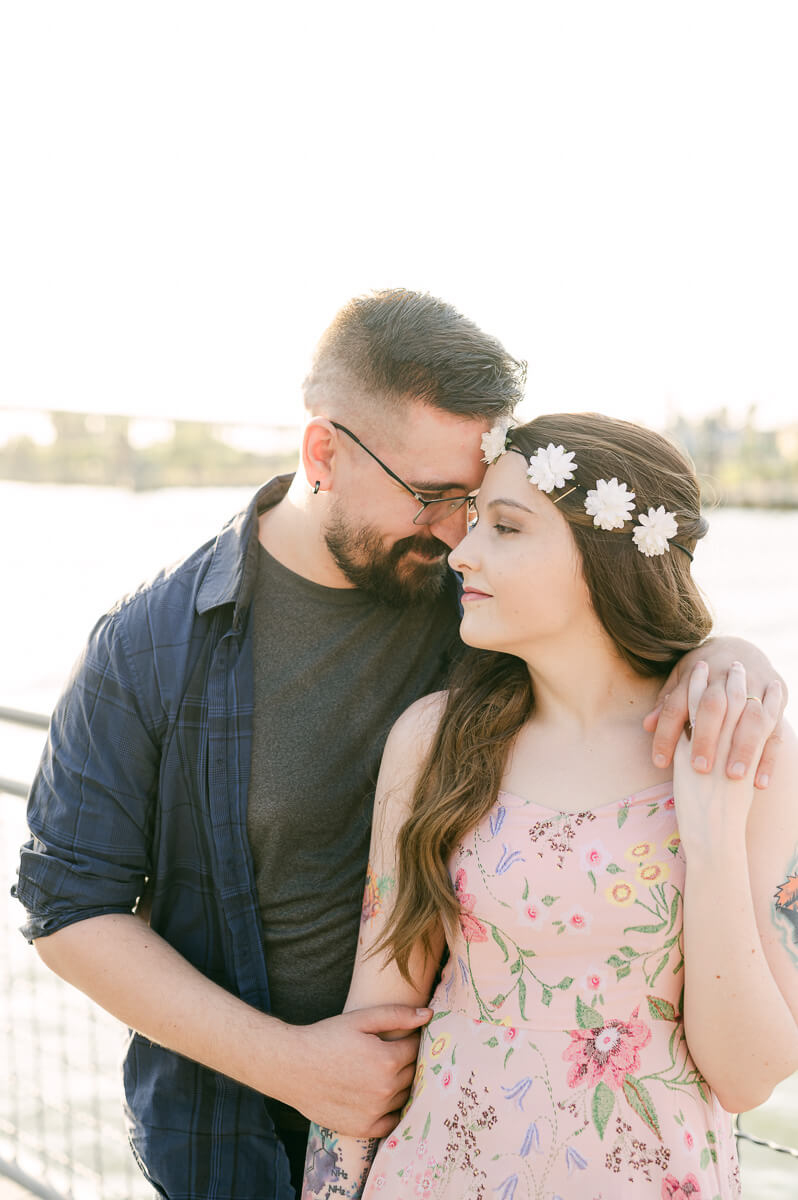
744 749
711 805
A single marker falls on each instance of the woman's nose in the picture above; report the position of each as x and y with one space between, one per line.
462 555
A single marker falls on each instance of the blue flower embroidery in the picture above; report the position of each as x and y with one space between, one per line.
531 1140
507 859
496 821
518 1091
507 1187
574 1159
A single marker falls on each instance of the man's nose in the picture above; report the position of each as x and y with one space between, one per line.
453 529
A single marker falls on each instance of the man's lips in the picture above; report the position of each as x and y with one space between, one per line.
470 593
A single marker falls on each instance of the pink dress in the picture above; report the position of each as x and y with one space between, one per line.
555 1066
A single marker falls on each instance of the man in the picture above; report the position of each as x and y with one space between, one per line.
200 818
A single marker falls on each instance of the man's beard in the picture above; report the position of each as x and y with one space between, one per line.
392 576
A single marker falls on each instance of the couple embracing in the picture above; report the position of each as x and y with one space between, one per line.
575 954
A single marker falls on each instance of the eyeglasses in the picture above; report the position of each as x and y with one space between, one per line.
431 511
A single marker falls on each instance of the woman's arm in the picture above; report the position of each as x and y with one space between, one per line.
740 1028
337 1166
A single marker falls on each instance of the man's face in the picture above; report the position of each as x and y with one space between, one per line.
371 534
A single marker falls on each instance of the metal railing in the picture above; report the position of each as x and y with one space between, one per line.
62 1134
61 1131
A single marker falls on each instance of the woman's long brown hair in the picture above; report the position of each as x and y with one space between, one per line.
650 607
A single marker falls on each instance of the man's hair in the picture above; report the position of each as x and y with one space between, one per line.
396 344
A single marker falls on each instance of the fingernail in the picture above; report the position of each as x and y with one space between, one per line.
738 666
700 763
738 770
660 760
762 781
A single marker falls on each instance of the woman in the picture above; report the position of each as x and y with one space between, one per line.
619 975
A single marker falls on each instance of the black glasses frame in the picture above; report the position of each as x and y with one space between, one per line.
453 503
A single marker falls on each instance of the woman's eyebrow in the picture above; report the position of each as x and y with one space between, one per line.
509 504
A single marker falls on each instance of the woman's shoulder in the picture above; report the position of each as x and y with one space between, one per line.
409 742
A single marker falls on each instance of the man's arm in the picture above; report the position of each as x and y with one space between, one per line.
338 1072
667 720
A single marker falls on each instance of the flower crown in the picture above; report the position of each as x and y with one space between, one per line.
609 503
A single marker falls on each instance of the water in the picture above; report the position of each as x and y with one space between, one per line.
69 553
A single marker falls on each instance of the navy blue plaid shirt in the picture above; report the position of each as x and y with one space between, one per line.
144 778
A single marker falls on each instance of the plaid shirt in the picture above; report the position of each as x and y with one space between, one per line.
145 777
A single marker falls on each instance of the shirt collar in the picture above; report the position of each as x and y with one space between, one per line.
230 577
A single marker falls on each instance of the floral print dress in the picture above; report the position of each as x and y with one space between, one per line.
555 1066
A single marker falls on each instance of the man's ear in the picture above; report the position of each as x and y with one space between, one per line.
318 453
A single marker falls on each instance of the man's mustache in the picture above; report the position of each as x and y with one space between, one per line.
428 547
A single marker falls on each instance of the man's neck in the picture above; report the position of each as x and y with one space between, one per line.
292 533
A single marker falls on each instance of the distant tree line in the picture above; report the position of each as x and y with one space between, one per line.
738 464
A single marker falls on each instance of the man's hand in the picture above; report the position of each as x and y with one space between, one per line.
353 1073
669 717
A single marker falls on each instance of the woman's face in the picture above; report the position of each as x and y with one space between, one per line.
522 572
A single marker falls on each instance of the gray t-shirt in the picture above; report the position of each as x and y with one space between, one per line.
333 671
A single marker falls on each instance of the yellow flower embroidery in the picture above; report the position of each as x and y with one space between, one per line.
650 873
440 1045
621 893
640 851
672 843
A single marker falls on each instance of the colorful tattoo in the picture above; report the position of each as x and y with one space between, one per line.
325 1175
376 891
786 903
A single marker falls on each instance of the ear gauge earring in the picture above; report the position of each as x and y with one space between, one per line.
316 488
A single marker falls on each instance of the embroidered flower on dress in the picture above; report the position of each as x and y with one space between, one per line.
551 467
494 442
673 1190
606 1054
609 503
651 535
621 893
473 930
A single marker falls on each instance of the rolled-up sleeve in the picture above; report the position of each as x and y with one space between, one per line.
90 810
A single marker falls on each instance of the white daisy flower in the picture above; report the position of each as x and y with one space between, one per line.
551 467
494 442
651 535
609 504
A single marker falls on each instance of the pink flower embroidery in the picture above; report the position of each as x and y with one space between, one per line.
594 981
578 920
673 1190
609 1053
473 930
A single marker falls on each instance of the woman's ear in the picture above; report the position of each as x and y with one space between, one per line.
318 453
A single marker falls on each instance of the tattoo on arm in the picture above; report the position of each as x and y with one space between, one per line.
325 1176
377 888
785 914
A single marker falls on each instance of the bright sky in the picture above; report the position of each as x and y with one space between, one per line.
192 189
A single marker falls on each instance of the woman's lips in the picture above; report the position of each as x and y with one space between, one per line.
470 594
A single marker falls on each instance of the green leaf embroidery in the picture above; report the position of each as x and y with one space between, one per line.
522 998
662 963
603 1104
711 1137
549 900
704 1159
614 961
507 1055
438 1015
492 1041
645 928
592 879
516 967
587 1017
660 1009
546 995
628 951
427 1124
528 953
623 813
565 983
614 869
525 893
637 1095
499 940
436 1070
623 971
497 1000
